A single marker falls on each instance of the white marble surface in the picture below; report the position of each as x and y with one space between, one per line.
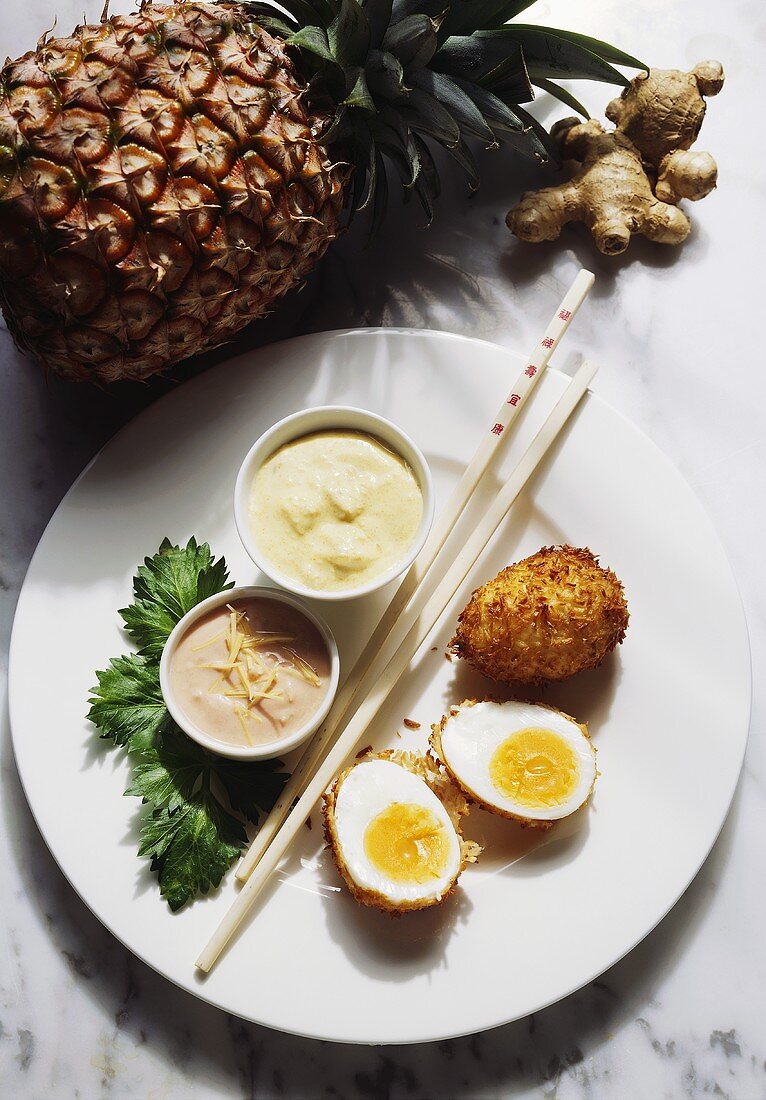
683 1015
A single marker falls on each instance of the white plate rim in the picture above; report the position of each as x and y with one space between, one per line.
422 334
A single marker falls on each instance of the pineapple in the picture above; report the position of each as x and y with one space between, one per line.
166 176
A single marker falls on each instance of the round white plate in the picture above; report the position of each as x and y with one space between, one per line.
532 922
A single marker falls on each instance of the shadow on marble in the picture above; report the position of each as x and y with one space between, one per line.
523 263
222 1055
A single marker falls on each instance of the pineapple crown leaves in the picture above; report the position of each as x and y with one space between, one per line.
396 75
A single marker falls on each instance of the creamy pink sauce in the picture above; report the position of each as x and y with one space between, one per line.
206 694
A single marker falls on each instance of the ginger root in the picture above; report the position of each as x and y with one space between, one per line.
630 180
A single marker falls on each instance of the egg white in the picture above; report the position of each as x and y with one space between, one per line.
471 734
368 789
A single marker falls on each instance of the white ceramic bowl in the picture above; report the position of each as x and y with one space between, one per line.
248 752
328 418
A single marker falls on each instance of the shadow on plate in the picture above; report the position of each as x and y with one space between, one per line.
588 696
513 850
394 949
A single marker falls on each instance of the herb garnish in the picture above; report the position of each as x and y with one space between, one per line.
196 802
168 585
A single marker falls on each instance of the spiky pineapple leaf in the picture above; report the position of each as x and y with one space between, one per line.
402 8
426 115
313 39
400 74
376 196
359 132
378 14
396 140
272 22
562 94
359 96
301 12
413 41
485 60
427 185
460 105
603 49
465 158
549 52
319 13
385 76
474 15
168 585
372 179
379 197
508 123
349 35
537 135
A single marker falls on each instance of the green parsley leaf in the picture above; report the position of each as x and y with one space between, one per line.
168 585
174 769
191 848
191 835
127 705
169 772
196 802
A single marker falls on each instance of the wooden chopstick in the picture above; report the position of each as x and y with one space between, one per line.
357 679
415 625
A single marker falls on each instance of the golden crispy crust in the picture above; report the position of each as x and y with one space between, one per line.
556 613
445 790
527 822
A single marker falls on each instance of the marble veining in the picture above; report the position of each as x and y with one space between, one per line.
682 1015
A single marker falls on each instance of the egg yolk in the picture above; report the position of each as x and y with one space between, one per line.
535 767
407 843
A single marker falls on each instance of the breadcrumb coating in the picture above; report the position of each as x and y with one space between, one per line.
545 618
526 822
449 795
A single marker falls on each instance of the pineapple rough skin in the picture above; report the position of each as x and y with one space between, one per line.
549 616
161 185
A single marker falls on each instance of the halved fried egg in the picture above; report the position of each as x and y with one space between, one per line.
527 761
397 844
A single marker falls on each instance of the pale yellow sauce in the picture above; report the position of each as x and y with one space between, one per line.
334 510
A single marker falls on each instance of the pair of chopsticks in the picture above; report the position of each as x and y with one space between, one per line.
351 689
410 617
